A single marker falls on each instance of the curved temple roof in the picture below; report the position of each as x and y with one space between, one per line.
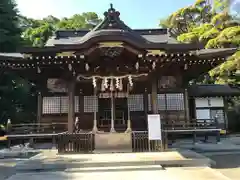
113 28
74 47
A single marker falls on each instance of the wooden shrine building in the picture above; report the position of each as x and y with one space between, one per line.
112 76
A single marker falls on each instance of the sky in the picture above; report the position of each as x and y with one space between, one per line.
135 13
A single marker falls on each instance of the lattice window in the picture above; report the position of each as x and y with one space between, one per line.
58 105
76 104
161 103
90 104
135 102
64 104
51 105
175 101
149 102
168 102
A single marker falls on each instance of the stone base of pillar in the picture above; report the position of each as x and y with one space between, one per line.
95 129
112 130
128 130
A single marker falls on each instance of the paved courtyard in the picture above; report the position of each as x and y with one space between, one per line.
50 166
227 164
200 173
89 167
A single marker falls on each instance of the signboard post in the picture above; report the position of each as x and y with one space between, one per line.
154 128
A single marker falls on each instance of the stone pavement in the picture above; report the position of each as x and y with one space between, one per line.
163 165
227 164
49 160
199 173
120 166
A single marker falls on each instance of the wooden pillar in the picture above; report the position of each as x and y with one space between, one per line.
145 104
154 97
112 113
71 105
186 103
129 128
95 129
39 107
225 114
155 111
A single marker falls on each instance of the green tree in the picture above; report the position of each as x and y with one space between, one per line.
9 30
187 18
15 99
37 32
215 30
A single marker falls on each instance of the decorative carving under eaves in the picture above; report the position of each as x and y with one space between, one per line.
67 53
167 82
111 51
154 52
56 85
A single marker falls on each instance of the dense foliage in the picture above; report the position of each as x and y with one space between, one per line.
9 29
15 100
18 100
213 26
37 32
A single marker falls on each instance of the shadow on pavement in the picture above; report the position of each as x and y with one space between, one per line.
226 161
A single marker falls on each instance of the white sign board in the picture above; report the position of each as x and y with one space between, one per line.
154 127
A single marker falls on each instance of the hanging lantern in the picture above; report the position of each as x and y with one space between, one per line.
111 85
70 67
86 67
137 66
153 65
38 70
185 66
94 82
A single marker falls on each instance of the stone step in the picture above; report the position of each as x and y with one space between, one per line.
61 165
109 151
115 168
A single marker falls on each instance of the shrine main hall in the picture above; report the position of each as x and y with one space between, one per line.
111 77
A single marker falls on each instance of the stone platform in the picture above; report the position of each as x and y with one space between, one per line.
173 165
50 160
199 173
